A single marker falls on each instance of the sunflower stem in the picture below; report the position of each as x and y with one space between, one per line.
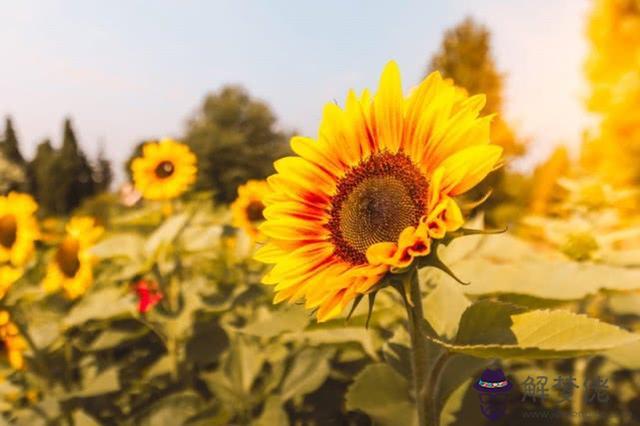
419 355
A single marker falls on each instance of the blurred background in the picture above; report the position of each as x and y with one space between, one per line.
168 322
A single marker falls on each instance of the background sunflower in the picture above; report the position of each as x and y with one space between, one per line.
18 228
71 267
247 209
166 169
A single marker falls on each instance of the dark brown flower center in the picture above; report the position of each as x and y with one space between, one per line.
67 257
254 211
8 230
165 169
374 202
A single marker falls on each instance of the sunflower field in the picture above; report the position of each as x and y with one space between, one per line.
393 270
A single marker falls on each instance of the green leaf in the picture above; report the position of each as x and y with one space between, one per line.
505 264
383 394
105 382
201 238
309 371
273 414
288 318
102 304
173 409
127 245
443 308
111 338
335 336
166 233
499 330
244 363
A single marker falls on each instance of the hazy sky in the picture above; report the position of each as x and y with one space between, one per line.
131 70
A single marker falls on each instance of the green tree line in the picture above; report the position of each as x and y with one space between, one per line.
59 179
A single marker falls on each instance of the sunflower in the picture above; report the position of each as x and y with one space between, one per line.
248 207
18 228
12 341
71 268
166 169
373 191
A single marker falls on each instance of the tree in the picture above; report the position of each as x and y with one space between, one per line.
103 175
39 172
10 146
613 70
70 174
465 57
236 139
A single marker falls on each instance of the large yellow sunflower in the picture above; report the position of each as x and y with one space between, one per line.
166 169
12 340
373 190
18 228
248 207
71 268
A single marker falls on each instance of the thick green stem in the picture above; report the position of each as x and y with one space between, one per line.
419 356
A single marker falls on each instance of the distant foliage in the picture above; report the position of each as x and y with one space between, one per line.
58 179
613 70
236 138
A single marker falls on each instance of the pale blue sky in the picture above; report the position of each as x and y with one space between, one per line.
131 70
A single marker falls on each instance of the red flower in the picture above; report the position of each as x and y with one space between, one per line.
149 295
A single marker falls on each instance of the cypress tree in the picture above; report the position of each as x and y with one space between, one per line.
40 176
71 175
10 146
103 175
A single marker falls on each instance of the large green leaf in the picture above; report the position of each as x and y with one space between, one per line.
383 394
492 329
505 264
309 370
